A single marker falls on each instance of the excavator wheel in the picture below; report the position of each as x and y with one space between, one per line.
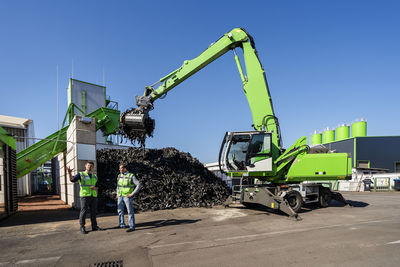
294 200
325 197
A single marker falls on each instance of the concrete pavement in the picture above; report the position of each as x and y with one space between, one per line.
365 235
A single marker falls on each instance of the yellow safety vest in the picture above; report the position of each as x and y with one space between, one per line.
86 182
125 185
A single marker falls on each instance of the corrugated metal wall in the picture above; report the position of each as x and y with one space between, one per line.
9 181
23 138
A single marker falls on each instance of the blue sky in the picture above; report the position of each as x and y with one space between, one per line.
327 63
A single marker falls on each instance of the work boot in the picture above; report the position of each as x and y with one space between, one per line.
96 228
83 230
130 230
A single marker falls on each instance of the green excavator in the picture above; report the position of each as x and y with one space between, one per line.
281 179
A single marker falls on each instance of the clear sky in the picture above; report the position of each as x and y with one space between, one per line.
327 63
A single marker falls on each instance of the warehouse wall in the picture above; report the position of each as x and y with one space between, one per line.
382 152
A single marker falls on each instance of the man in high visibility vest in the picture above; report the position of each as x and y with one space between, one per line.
88 194
127 186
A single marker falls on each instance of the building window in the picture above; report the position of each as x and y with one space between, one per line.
397 167
363 164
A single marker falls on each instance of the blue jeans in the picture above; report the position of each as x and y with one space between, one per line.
126 201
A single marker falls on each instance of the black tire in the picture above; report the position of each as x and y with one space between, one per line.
295 200
325 197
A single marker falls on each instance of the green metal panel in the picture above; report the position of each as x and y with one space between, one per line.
311 167
107 120
359 129
342 132
320 167
6 139
316 139
328 136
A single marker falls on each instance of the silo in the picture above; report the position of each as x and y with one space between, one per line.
328 136
342 132
316 138
359 129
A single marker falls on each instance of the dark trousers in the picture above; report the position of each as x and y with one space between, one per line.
86 204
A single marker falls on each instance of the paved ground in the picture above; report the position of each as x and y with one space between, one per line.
41 202
365 235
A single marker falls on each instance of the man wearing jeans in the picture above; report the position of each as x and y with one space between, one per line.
127 187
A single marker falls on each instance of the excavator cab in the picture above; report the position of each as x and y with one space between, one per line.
246 152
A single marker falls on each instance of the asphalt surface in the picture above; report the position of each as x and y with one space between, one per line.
367 234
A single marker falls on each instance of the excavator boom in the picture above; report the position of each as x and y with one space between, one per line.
137 122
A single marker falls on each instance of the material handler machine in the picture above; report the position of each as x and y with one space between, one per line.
281 179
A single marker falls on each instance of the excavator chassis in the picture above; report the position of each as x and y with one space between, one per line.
288 198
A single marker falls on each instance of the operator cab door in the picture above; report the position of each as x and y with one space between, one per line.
246 152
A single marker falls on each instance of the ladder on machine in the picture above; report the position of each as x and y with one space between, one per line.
237 191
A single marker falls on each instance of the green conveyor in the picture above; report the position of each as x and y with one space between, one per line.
32 157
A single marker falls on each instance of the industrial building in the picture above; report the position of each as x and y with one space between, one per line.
41 167
367 152
375 159
23 132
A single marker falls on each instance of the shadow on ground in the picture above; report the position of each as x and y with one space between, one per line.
268 210
305 209
44 216
157 224
354 204
162 223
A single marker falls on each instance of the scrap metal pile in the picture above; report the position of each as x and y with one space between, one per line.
170 179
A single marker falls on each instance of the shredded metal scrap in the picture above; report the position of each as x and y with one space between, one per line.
170 179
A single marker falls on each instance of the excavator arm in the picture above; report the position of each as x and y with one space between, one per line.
251 155
136 122
258 153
